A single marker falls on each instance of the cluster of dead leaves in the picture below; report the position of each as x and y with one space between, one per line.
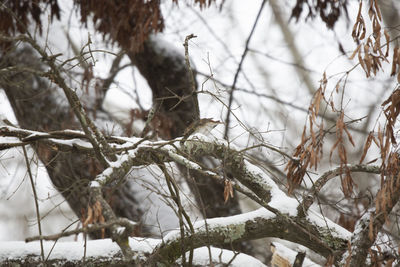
309 152
16 15
339 145
396 63
390 160
328 10
369 52
387 137
389 190
94 215
386 199
228 190
128 22
391 111
392 185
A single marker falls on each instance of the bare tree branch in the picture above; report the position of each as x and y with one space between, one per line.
233 87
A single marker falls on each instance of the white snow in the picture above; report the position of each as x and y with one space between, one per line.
336 230
94 184
183 160
221 257
72 250
236 219
279 199
36 134
225 221
149 186
72 142
290 255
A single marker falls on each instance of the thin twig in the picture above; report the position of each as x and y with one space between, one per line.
55 242
94 135
323 179
174 190
191 75
28 167
246 49
276 99
90 228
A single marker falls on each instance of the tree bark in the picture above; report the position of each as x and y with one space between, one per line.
38 105
166 73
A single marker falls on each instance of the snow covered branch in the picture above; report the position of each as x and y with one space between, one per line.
268 177
129 225
277 219
106 253
253 225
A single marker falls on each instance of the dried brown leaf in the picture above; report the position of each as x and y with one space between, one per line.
303 137
359 25
398 56
377 10
332 105
367 145
387 38
359 12
347 183
367 59
333 149
394 60
342 153
372 161
349 135
355 52
317 101
361 61
337 87
97 210
89 217
228 190
371 231
380 138
364 31
376 26
371 11
389 262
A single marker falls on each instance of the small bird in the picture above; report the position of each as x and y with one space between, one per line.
202 126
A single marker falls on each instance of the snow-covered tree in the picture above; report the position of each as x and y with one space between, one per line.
277 147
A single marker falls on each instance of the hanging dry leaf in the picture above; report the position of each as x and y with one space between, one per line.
387 39
394 61
367 145
355 52
89 217
371 231
228 190
98 216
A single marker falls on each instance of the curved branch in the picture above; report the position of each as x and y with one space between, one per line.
252 225
90 228
371 223
324 178
39 106
280 220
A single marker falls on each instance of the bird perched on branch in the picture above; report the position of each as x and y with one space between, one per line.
203 126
